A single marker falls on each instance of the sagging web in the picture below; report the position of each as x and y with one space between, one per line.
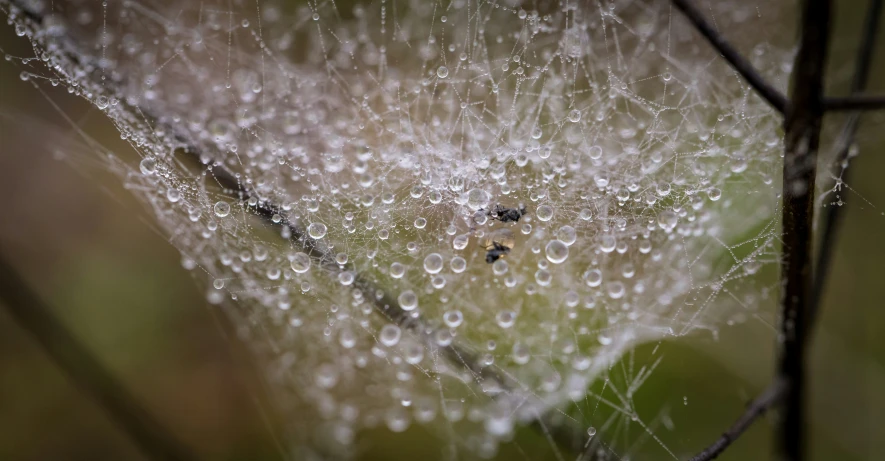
349 180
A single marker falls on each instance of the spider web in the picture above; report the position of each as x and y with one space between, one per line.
379 139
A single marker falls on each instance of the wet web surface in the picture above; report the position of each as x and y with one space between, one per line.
464 215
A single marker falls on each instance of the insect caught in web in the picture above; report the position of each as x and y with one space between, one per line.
505 214
497 244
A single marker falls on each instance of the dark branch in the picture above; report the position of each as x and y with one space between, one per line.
801 141
855 103
754 410
776 391
768 92
835 213
84 370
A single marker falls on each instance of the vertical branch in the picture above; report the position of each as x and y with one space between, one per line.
801 141
834 213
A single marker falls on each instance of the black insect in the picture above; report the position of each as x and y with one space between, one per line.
496 252
505 214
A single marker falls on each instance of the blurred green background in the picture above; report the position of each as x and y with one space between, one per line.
87 247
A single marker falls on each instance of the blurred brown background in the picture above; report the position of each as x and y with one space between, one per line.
91 252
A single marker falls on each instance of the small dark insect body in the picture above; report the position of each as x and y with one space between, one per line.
505 214
496 252
499 242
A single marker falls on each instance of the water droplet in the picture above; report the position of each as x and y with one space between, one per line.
545 213
567 235
389 335
316 230
148 166
521 353
453 318
222 209
214 297
300 263
443 338
500 267
477 198
397 270
667 220
594 278
346 278
616 290
413 353
505 319
574 116
408 300
397 419
326 376
460 242
433 263
556 251
714 194
456 184
442 72
458 264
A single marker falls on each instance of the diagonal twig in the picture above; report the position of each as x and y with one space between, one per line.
768 92
33 315
754 410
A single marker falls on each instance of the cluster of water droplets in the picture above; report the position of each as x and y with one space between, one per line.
400 201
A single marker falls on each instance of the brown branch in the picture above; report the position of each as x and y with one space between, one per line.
754 410
801 141
834 213
34 316
855 103
768 92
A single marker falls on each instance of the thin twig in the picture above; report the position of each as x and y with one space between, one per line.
566 434
862 102
801 141
834 213
768 92
33 315
754 410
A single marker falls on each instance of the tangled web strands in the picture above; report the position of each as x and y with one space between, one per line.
382 136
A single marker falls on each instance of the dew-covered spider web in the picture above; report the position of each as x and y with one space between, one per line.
455 214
